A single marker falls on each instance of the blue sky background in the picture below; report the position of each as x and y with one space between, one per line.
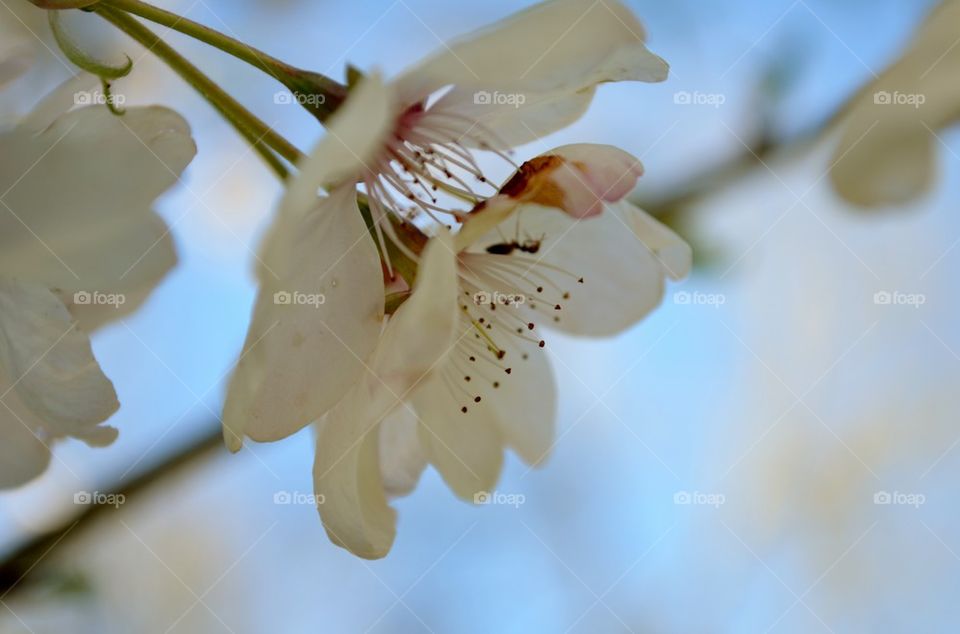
784 400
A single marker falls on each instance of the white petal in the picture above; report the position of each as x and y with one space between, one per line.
549 52
887 152
540 114
23 456
315 322
402 458
81 220
62 99
347 472
421 332
564 44
523 405
674 254
484 400
622 256
483 223
356 133
347 476
486 397
51 365
466 448
593 174
578 179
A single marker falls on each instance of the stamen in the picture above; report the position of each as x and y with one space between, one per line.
491 344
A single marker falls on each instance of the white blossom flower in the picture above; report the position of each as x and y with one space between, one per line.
76 227
463 400
537 268
409 143
887 152
324 345
510 84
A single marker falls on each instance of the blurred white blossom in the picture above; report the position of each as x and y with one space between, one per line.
79 246
888 150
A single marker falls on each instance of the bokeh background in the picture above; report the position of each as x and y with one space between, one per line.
771 391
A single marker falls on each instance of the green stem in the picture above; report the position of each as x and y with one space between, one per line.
260 135
297 80
200 32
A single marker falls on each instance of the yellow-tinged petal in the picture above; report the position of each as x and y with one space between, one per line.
347 473
402 458
347 480
316 320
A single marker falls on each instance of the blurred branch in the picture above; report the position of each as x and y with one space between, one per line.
710 180
25 560
773 89
674 210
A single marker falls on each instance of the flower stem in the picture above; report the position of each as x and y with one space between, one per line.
260 135
332 93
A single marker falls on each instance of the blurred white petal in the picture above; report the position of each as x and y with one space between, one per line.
888 150
50 363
